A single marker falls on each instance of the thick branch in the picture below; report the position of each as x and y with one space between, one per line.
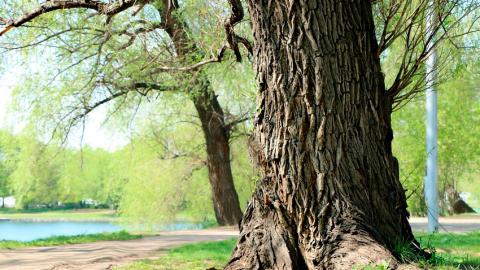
49 6
232 38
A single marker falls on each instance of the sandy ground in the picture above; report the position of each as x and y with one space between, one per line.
457 224
105 255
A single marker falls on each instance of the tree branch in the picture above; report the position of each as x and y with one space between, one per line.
124 90
196 66
232 38
404 21
102 8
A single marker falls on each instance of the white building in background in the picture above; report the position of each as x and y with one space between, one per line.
7 202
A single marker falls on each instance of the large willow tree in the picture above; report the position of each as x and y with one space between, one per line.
330 195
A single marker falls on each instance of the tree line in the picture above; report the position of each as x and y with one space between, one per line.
143 180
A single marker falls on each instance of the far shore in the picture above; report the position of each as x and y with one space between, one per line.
80 215
61 219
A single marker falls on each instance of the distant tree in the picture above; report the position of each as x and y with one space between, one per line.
166 162
40 174
84 174
8 158
458 131
4 173
35 179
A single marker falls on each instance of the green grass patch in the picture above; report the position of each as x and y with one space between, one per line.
76 239
451 251
52 215
458 244
192 257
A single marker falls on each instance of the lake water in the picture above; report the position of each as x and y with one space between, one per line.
28 231
32 230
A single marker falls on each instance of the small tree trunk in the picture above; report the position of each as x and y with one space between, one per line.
224 196
450 197
330 197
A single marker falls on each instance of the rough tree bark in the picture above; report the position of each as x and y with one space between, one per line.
216 131
225 199
330 197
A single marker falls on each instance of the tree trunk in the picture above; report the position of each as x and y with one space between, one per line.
447 201
224 196
330 197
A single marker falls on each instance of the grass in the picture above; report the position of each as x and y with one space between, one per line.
76 239
458 244
54 215
450 251
192 257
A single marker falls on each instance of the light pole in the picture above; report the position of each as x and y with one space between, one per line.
431 189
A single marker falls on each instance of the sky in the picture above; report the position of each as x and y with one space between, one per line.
96 134
7 81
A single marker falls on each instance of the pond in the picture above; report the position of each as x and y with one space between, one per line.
28 231
32 230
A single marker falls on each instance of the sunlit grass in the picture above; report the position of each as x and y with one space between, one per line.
192 257
452 251
76 239
455 244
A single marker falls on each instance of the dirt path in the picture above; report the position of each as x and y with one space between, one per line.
104 255
457 224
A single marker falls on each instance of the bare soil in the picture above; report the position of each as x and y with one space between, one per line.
453 224
104 255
